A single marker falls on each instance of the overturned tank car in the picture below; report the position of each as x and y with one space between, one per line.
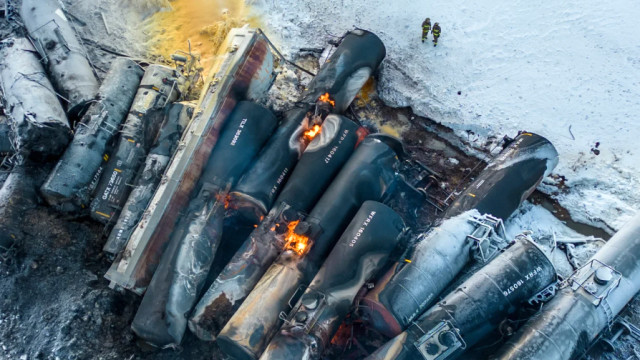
476 307
592 297
410 287
369 174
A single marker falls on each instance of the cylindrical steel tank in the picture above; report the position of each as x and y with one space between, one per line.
509 178
368 175
40 125
347 69
257 189
359 254
319 164
139 131
61 51
162 316
77 173
410 287
594 295
177 117
476 307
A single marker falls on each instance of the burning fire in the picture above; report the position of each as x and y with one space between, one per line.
326 98
312 133
224 197
296 242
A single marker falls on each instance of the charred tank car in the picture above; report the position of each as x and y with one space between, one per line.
360 253
161 319
139 131
77 173
334 87
39 123
476 307
176 120
61 52
368 175
319 164
593 296
357 57
410 287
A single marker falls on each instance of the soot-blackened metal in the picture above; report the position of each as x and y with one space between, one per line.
594 295
77 173
318 166
177 117
410 287
474 308
361 252
139 131
368 175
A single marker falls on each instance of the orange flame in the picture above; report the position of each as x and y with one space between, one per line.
326 98
296 242
312 133
224 197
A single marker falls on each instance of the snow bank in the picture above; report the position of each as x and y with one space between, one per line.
568 70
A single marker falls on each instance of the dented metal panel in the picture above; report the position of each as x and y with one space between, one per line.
244 70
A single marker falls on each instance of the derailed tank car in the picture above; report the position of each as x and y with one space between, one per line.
40 126
347 70
409 288
334 87
319 164
594 295
255 193
76 174
162 316
243 71
61 52
475 308
158 88
177 117
368 175
360 253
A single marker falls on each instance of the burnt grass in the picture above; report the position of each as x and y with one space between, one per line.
56 304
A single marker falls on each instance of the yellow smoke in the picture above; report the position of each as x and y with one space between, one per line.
205 23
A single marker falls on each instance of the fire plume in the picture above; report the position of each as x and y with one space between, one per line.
296 242
327 98
312 133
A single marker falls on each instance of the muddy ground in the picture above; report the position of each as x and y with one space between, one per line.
55 303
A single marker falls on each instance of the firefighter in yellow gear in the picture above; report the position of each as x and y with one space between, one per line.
426 26
436 33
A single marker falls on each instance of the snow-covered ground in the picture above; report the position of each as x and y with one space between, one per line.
567 70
